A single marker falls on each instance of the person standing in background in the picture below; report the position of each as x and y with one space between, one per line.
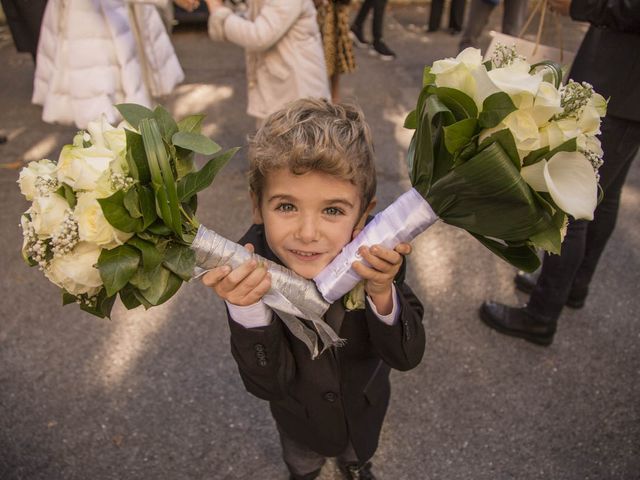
456 15
94 54
284 55
377 47
24 18
607 59
333 20
513 18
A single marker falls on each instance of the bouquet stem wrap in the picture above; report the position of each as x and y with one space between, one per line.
403 220
290 295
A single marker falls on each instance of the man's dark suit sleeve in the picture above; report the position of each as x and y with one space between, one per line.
620 15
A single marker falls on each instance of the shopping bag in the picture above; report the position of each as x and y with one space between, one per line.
534 51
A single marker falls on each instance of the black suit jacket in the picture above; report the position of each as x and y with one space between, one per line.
343 394
609 56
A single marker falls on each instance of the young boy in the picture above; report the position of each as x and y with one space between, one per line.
312 181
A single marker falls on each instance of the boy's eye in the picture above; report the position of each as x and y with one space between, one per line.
285 207
333 211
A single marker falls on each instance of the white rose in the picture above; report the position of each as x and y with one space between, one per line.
557 132
103 134
570 180
546 103
29 174
465 73
48 213
93 226
589 120
524 129
76 271
516 81
590 143
81 168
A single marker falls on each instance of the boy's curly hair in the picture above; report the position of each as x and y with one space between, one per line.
315 135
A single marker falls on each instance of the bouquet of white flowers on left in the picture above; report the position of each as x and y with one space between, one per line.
115 215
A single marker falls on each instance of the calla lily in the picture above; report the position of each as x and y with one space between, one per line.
570 180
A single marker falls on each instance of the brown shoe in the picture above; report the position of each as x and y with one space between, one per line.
518 322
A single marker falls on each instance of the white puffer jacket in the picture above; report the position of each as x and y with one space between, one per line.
89 59
284 53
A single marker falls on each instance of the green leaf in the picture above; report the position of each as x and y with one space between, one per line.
117 266
165 285
181 260
66 192
137 158
550 239
132 203
495 108
103 305
461 105
411 122
128 297
133 113
197 181
459 134
505 139
535 156
166 123
147 205
159 228
144 279
428 78
522 257
195 142
117 215
192 123
570 145
68 298
552 72
151 256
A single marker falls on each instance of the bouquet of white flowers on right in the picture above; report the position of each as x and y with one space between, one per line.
500 149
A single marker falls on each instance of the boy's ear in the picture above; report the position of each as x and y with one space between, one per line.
360 225
256 213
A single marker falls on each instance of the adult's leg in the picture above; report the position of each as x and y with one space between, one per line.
302 462
378 19
569 273
456 15
362 13
515 13
435 15
478 19
620 141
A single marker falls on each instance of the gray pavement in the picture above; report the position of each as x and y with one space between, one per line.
156 395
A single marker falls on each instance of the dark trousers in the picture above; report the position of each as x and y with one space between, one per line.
24 18
569 274
378 17
305 464
456 14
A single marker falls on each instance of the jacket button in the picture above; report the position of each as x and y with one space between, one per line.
258 347
330 397
262 362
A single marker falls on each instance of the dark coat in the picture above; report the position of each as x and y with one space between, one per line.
609 56
25 18
342 395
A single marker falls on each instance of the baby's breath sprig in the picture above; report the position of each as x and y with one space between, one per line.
86 300
505 55
119 181
595 159
37 249
45 185
66 237
574 97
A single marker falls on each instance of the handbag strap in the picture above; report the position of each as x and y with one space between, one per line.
542 6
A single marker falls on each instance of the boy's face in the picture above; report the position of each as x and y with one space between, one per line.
308 218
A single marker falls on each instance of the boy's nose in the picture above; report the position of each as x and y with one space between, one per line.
307 229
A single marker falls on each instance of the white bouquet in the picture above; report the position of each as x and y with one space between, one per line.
500 149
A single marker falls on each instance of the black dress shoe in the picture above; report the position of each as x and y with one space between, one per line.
517 322
526 282
353 471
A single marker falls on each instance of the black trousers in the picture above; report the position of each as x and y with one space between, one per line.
456 14
24 18
570 273
378 17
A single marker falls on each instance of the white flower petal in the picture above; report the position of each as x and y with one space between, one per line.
572 184
534 176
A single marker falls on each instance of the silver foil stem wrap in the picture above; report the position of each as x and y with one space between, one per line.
290 295
402 221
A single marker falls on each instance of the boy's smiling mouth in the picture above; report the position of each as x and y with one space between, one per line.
305 256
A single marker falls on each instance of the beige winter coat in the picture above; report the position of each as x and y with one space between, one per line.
285 58
93 54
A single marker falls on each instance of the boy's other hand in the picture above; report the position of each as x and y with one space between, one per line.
243 286
384 266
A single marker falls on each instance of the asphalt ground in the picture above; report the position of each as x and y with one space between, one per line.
156 395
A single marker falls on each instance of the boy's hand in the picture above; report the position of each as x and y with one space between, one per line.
385 264
243 286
